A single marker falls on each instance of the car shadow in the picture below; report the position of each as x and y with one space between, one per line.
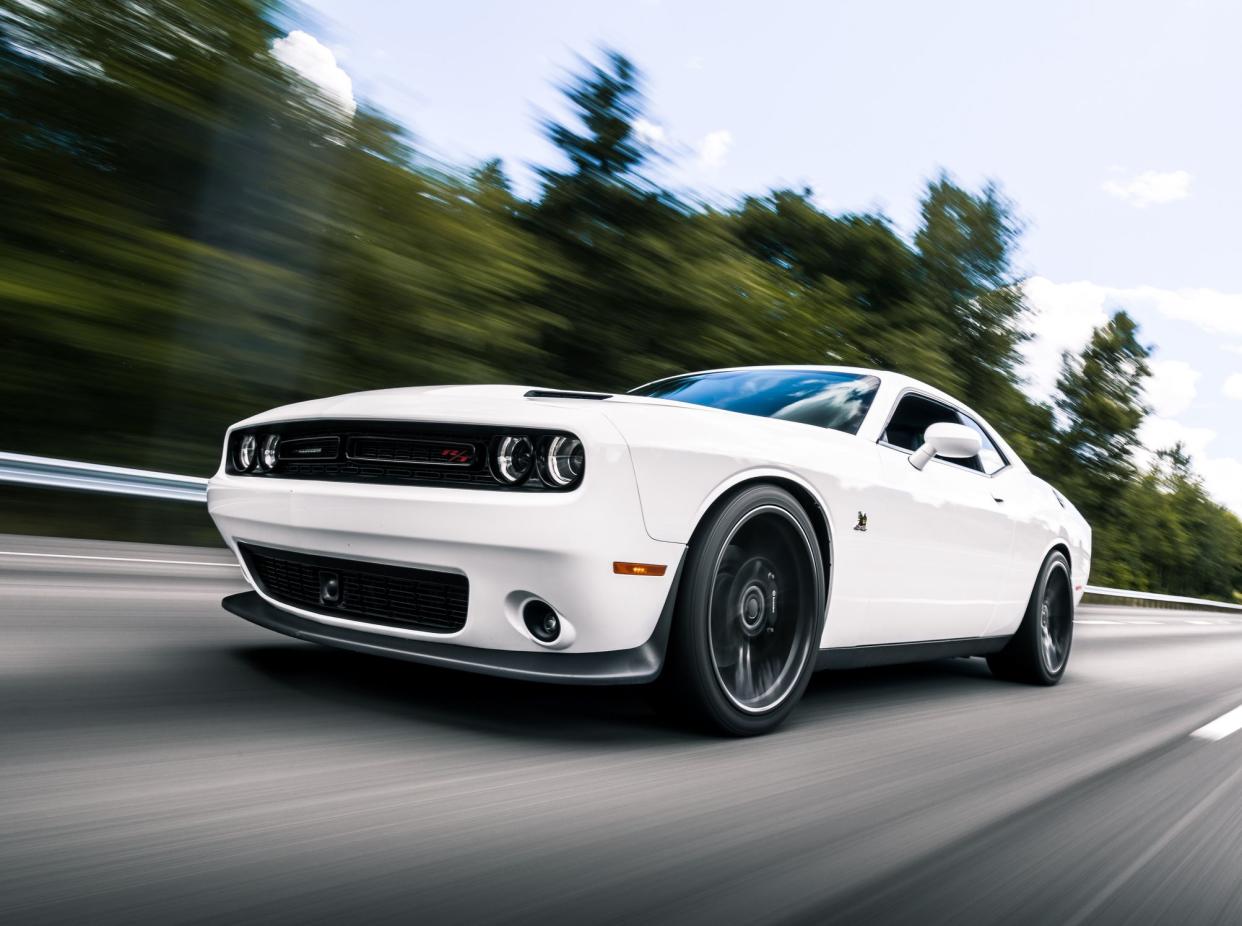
541 711
463 700
843 689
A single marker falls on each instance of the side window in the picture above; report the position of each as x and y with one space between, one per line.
990 460
914 414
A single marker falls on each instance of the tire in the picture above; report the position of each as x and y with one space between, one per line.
749 617
1039 652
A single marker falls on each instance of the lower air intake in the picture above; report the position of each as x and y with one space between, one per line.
397 596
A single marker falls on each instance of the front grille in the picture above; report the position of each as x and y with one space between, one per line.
392 475
389 453
417 452
397 596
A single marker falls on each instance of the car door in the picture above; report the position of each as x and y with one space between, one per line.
943 534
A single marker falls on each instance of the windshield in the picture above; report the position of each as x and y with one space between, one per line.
820 397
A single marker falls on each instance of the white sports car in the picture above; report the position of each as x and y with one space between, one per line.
726 532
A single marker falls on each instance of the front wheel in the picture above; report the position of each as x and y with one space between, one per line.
749 614
1039 652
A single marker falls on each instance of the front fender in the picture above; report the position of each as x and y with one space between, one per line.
686 459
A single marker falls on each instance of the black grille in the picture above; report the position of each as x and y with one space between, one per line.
390 453
388 474
417 452
417 599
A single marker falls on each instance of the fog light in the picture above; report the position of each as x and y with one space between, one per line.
541 620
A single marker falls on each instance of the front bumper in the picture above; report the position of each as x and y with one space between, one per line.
620 667
511 546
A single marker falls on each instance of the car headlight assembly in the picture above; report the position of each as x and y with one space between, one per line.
246 451
564 461
268 458
514 459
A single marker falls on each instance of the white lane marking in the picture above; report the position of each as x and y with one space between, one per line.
1079 620
123 559
1221 727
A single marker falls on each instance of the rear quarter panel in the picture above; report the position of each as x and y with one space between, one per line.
1043 524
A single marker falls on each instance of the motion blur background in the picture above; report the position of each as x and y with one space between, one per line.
204 216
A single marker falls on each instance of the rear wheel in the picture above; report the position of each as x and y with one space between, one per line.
1039 652
749 614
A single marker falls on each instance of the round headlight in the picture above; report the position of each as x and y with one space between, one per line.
514 458
565 461
267 459
246 452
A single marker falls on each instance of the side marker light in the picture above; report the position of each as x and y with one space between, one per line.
638 569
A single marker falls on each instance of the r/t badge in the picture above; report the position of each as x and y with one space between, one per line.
862 521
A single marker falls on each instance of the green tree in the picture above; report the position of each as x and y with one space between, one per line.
193 233
856 282
639 284
965 248
1100 396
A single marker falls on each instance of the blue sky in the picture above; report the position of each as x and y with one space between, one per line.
1113 127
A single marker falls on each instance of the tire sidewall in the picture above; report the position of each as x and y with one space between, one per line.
693 634
1054 564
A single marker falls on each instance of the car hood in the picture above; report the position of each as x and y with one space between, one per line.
511 405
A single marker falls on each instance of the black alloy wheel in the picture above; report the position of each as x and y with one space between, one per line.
750 613
1039 651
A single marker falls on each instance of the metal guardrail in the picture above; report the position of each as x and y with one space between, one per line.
93 477
1154 600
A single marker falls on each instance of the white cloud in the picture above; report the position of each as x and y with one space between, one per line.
714 147
1065 314
1209 309
1233 348
649 133
1172 386
1223 479
1222 476
1151 187
1158 433
1215 312
302 52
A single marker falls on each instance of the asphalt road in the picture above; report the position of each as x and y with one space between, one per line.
163 761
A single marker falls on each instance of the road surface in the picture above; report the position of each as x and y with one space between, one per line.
163 761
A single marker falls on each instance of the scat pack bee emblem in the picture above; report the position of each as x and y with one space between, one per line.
862 521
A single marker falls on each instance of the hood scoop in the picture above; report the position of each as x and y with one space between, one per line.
564 394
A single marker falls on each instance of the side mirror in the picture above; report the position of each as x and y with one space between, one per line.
943 439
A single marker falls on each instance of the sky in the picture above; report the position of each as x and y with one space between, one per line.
1112 126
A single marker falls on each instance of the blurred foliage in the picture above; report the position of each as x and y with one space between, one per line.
191 233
